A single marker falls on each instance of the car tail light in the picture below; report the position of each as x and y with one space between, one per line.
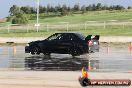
89 42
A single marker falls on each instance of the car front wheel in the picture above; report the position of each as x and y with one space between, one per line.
35 50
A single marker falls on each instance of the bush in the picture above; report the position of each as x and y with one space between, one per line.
20 18
9 19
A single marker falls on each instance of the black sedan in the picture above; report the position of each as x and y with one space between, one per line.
64 43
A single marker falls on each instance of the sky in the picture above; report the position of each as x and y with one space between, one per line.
6 4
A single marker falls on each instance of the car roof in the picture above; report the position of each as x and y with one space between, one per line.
68 33
75 33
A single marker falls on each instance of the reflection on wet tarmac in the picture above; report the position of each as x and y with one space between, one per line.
59 64
109 58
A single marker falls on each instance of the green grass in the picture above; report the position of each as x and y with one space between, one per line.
77 19
102 32
3 24
89 16
108 32
25 34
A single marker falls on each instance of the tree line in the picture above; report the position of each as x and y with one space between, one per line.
61 10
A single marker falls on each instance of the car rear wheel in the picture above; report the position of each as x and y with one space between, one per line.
35 50
74 52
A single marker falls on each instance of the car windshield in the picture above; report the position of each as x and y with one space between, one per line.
81 36
53 37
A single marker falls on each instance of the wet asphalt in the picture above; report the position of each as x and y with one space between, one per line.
110 58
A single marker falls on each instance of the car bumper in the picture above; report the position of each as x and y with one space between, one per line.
94 48
27 50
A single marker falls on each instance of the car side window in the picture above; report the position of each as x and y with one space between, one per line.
54 37
73 38
62 37
65 37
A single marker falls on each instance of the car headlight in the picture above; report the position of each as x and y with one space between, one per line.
27 44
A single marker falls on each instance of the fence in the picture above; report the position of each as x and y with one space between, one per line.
66 26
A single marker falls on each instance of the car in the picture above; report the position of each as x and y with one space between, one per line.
64 43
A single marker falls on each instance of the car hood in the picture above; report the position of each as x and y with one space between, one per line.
39 41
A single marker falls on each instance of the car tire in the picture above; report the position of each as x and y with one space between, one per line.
35 50
74 52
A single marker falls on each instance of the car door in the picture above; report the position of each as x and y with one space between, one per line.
73 40
63 43
51 44
76 44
